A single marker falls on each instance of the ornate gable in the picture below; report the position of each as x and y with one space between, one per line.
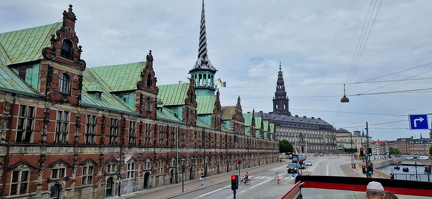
148 79
111 160
61 72
64 45
23 165
59 162
146 96
238 115
189 109
217 113
88 161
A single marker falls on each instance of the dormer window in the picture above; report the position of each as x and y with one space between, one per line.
147 104
149 81
66 49
64 83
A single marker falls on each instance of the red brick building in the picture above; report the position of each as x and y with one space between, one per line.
68 131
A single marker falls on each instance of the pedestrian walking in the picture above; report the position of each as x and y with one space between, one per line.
202 179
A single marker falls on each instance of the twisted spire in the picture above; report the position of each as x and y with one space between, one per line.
203 62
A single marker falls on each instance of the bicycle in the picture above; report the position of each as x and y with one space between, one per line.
274 181
246 181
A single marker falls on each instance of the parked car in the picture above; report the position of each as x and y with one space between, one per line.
308 163
292 168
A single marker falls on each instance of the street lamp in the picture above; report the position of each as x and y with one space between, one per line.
352 154
344 98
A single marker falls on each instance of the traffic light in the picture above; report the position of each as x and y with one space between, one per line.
301 162
364 169
234 182
239 161
370 169
369 152
361 152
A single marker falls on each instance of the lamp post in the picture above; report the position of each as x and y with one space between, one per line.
177 154
368 175
352 154
205 165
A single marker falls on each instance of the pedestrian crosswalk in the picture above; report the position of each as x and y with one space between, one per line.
270 177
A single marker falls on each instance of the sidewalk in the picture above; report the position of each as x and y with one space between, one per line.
357 172
173 190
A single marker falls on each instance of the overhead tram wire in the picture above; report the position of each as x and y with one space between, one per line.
419 66
399 81
364 37
361 45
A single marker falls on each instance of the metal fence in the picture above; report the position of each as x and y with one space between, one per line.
416 177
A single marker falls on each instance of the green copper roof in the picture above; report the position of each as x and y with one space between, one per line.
266 125
258 122
123 77
173 94
12 83
26 45
272 126
228 112
205 104
166 114
248 119
201 123
107 100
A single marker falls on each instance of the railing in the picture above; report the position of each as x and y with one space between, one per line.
416 177
405 187
294 192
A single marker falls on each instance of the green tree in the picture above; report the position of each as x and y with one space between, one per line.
285 146
430 150
394 150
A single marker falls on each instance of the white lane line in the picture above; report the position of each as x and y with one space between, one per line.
213 191
328 169
259 184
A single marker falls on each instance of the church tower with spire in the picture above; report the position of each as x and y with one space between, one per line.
203 72
280 100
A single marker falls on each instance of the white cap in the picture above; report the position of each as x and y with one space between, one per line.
375 185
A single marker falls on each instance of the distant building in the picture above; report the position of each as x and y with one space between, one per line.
308 135
413 146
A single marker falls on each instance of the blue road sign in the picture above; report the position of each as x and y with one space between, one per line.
293 175
418 122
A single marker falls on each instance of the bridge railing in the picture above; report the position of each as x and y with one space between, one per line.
294 192
404 187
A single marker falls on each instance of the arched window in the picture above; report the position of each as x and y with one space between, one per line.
149 81
109 187
64 83
55 192
147 104
66 49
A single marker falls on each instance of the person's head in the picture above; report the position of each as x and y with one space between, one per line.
374 190
389 195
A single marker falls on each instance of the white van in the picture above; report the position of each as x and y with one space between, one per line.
422 157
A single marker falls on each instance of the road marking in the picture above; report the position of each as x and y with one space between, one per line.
328 169
259 184
278 168
213 191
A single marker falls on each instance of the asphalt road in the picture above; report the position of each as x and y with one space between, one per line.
261 187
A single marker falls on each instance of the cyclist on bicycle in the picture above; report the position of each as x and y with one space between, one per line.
246 177
277 177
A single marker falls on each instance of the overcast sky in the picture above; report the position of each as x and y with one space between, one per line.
379 49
